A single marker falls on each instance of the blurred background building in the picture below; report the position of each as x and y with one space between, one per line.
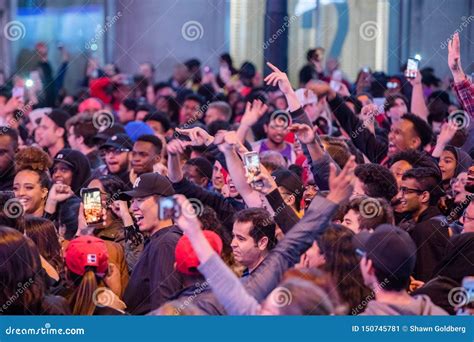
380 34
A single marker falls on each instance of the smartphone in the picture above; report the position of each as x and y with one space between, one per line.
467 297
335 85
412 68
18 92
91 200
168 208
252 166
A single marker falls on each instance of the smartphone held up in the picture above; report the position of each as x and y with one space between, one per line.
92 203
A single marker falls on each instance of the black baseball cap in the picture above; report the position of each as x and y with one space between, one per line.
59 117
390 248
119 141
149 184
102 136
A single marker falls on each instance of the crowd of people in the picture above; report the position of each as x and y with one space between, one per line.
232 193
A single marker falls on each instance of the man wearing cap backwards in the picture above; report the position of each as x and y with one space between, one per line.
51 132
388 260
117 157
153 280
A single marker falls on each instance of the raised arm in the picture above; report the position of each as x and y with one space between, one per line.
418 104
253 112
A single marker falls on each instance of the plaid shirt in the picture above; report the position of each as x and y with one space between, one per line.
465 94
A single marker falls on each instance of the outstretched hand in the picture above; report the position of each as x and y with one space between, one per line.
253 112
304 133
197 135
454 54
278 77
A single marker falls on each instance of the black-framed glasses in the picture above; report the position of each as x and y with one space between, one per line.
406 190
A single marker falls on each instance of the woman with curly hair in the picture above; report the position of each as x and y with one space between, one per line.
32 181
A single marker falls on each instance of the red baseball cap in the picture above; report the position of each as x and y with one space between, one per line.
186 259
90 104
87 251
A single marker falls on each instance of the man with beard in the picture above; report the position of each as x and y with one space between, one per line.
117 158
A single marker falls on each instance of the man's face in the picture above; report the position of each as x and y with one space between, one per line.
145 211
276 131
459 188
192 174
213 114
189 112
409 196
468 219
396 112
351 221
146 70
144 157
47 133
398 169
72 139
244 247
116 160
7 153
125 115
402 137
62 174
156 126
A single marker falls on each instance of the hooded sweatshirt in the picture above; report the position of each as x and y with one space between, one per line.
419 306
80 166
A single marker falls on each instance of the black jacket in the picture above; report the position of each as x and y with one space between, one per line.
431 236
154 279
373 147
6 179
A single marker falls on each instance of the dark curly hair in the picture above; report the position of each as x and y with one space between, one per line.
415 158
378 181
429 180
421 127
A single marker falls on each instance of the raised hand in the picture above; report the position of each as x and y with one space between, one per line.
253 112
321 89
197 135
448 130
263 182
304 133
280 78
341 185
188 220
454 54
177 146
59 193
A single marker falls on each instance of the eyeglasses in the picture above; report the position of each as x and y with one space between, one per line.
115 151
404 190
